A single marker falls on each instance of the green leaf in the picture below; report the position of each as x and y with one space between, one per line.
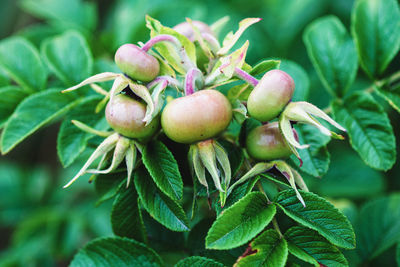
378 226
162 208
300 78
4 80
66 14
68 57
264 66
34 112
241 222
369 128
71 140
126 217
310 247
332 53
348 177
196 261
235 155
107 185
319 215
270 250
375 27
21 61
115 251
316 158
391 94
10 97
163 168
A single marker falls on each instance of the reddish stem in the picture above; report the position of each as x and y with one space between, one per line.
246 77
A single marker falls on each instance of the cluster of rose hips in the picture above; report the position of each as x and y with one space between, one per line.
136 105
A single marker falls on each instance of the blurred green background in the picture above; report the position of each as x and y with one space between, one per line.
42 224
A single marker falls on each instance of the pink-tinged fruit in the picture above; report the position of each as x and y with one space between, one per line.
136 63
271 95
197 117
125 115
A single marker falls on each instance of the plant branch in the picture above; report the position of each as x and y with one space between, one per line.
185 60
193 75
246 77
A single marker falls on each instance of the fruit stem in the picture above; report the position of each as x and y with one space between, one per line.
185 60
274 221
170 80
193 75
246 77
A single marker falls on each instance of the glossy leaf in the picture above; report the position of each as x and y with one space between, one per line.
375 26
115 251
369 129
21 61
196 261
265 66
378 226
241 222
4 80
107 185
319 215
162 208
315 158
10 97
78 14
270 250
391 94
71 140
68 57
333 53
310 247
348 177
34 112
126 217
163 168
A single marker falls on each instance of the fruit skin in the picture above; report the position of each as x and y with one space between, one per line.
270 96
185 29
196 117
125 115
266 142
136 63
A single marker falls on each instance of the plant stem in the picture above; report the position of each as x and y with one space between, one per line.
185 60
190 80
246 77
274 221
170 80
161 38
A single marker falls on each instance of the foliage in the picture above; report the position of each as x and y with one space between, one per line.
193 205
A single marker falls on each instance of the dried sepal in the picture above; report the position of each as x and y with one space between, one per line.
107 145
101 77
231 38
286 170
130 160
86 128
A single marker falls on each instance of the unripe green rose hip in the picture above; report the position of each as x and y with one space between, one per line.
196 117
125 115
267 143
270 96
136 63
